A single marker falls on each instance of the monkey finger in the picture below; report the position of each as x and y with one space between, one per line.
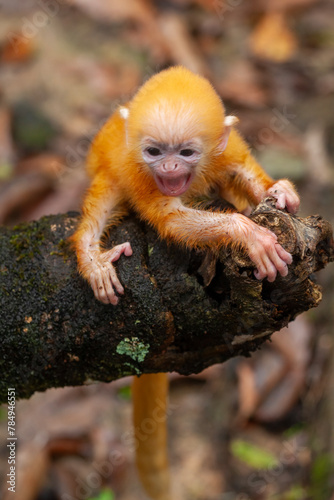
94 285
98 287
284 270
283 254
280 201
263 231
269 260
108 288
115 281
115 253
128 249
265 269
262 272
280 265
258 275
270 269
285 195
293 203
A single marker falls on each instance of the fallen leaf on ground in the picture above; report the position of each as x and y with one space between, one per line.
320 170
211 5
102 10
20 192
248 394
182 47
140 15
241 83
281 391
32 464
270 384
65 196
16 48
45 162
7 153
112 81
283 5
273 39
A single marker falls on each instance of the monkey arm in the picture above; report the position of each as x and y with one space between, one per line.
243 181
203 229
101 205
256 185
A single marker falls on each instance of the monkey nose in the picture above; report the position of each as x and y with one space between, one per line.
169 167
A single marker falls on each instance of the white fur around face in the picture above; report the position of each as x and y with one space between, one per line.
171 126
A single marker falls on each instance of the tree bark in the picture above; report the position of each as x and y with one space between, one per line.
181 310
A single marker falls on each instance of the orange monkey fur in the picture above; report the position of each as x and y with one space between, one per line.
170 145
149 394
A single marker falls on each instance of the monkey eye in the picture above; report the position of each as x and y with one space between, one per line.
187 152
153 151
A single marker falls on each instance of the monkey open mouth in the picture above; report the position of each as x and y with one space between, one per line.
173 186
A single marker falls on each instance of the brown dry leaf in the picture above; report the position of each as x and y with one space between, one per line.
241 84
66 195
77 427
6 143
112 81
107 446
47 163
182 48
139 13
111 10
292 344
283 5
59 413
64 478
272 38
17 48
32 464
248 394
320 170
37 177
270 385
23 191
78 445
211 5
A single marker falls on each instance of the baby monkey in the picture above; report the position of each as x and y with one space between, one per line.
171 144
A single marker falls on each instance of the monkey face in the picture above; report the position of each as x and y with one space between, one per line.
173 166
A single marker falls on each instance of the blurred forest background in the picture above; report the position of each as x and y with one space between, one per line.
250 429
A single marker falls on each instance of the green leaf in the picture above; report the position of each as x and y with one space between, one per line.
297 492
125 392
105 494
3 413
252 455
321 473
6 171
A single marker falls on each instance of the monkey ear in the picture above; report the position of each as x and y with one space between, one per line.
124 112
228 122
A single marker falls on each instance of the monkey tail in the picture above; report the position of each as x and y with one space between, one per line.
149 394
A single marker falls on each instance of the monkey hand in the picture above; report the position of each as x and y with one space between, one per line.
286 196
267 254
101 273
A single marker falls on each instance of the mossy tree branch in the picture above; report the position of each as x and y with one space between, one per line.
181 310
